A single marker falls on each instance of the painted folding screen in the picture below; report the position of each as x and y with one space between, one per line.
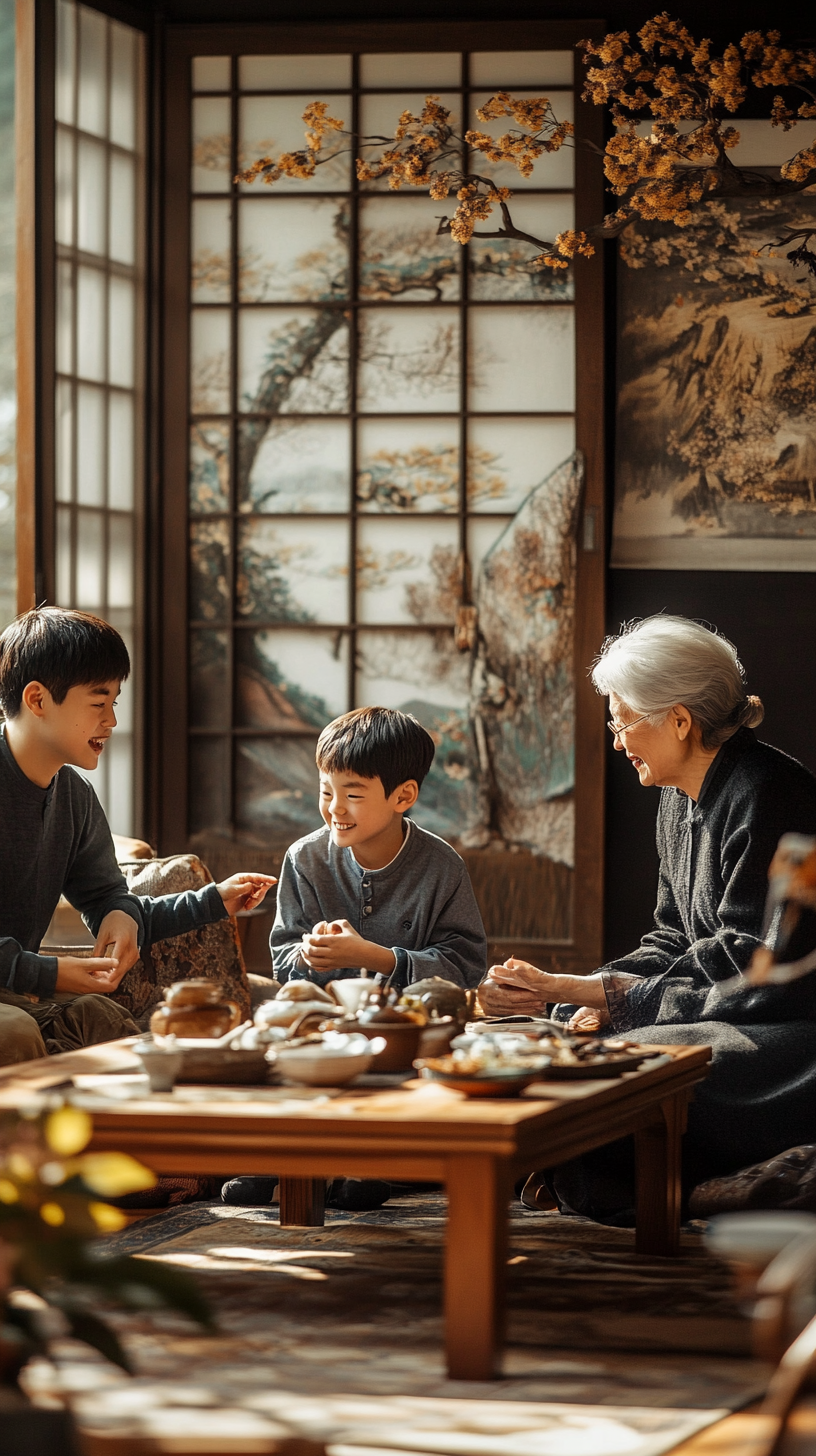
379 425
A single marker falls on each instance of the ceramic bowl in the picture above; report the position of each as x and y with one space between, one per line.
331 1063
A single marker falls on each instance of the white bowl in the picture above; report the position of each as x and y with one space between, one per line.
331 1063
352 991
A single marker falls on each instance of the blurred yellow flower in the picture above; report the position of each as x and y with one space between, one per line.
52 1214
107 1219
68 1131
8 1192
20 1167
113 1174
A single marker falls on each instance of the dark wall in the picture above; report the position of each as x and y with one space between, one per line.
770 617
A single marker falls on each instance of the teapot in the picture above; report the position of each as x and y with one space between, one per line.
196 1009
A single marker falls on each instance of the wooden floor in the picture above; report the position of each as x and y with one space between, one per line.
354 1310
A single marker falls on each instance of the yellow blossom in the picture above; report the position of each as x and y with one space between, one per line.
107 1219
53 1214
68 1131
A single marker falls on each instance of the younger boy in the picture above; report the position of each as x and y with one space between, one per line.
372 889
60 673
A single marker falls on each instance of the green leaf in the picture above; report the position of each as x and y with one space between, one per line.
94 1332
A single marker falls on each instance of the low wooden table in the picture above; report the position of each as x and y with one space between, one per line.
477 1148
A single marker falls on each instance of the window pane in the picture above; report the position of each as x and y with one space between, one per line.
91 199
120 561
273 124
503 268
210 354
410 576
401 255
210 281
65 318
521 68
209 467
92 71
293 249
211 73
125 46
90 446
408 465
90 324
209 590
211 144
121 330
210 705
294 466
293 571
293 362
122 235
482 537
65 439
553 169
64 180
283 73
380 115
210 773
522 359
507 458
66 57
291 680
409 360
121 452
422 673
119 754
276 789
65 595
90 582
429 69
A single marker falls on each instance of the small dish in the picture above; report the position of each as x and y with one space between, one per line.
495 1082
336 1060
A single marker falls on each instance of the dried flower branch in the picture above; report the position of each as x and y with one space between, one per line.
665 78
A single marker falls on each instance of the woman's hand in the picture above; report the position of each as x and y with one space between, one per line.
517 988
589 1018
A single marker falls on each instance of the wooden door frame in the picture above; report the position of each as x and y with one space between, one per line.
584 951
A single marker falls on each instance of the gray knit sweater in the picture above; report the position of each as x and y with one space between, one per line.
421 906
56 841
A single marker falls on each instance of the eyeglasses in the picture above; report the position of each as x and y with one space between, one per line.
618 729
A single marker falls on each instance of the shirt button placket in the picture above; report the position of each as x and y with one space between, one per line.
367 906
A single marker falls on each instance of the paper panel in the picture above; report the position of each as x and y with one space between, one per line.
126 55
409 575
209 783
522 359
121 331
90 310
293 571
379 117
294 466
91 196
553 169
291 681
507 458
211 73
121 451
122 210
209 579
212 130
502 268
90 583
292 249
426 69
284 73
90 446
408 465
121 561
209 467
409 360
270 125
210 361
210 261
209 704
401 257
276 788
521 68
92 90
481 538
293 361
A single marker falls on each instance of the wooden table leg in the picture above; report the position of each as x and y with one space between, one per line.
475 1259
302 1202
657 1157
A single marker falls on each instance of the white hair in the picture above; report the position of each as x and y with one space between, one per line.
654 664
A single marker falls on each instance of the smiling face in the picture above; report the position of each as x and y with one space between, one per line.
657 753
360 816
79 727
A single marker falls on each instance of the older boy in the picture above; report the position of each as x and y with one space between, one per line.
372 889
60 673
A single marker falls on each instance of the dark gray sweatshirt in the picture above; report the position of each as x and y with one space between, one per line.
421 906
56 841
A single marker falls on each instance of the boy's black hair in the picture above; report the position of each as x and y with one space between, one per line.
60 648
377 743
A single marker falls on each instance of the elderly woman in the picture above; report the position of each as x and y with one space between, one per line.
679 711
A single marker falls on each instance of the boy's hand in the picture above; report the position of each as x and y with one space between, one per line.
119 938
336 946
96 976
244 891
